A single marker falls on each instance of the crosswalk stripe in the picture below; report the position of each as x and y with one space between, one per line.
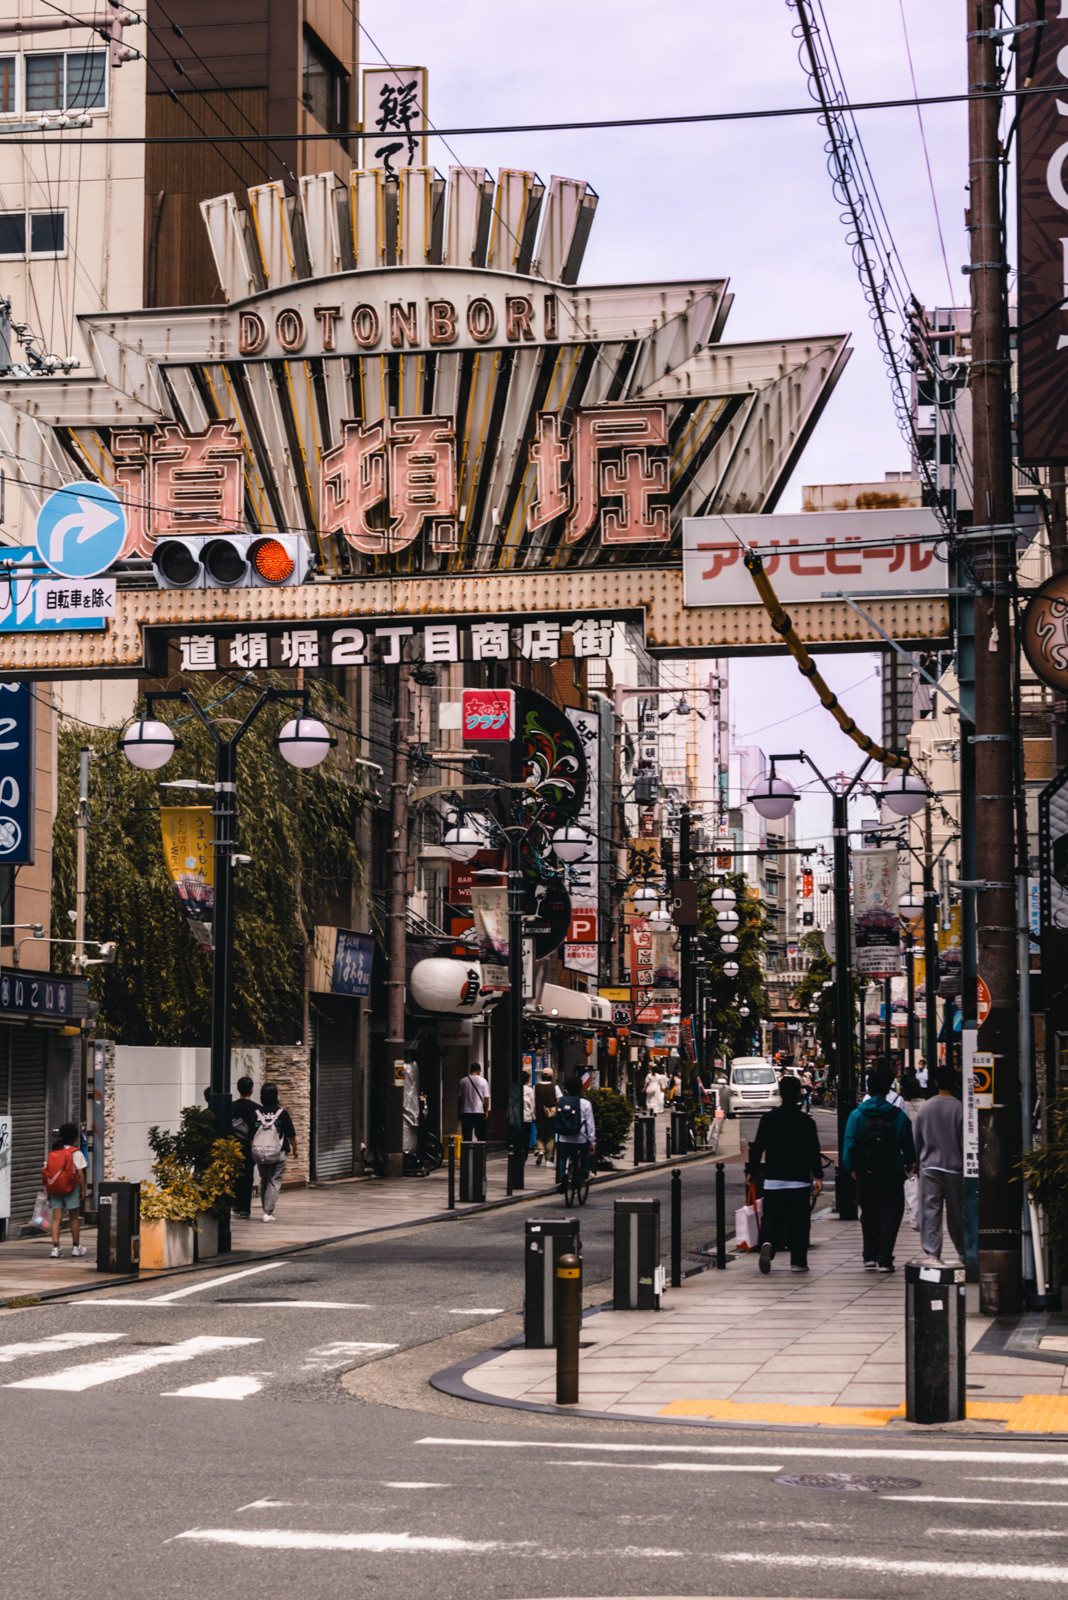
232 1388
53 1343
75 1379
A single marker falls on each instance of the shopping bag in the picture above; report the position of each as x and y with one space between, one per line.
746 1228
912 1200
42 1212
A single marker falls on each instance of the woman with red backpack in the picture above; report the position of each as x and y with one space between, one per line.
63 1176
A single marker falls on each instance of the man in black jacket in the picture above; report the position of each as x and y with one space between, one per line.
789 1146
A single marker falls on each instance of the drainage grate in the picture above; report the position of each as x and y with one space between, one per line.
848 1482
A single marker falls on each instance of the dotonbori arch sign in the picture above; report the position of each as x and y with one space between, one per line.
406 378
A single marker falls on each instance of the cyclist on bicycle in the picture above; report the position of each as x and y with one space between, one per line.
574 1128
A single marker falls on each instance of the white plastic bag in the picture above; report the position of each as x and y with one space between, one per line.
746 1227
42 1212
912 1200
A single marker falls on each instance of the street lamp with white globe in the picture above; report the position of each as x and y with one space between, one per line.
149 744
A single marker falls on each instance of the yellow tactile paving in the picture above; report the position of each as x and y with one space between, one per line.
1034 1413
753 1411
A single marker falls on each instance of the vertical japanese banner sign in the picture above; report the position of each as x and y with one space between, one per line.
875 918
1042 255
16 773
581 949
489 907
189 853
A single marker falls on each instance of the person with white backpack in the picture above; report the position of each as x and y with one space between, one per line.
273 1139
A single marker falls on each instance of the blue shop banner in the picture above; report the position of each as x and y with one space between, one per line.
16 773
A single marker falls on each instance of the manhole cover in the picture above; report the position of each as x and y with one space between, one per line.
848 1482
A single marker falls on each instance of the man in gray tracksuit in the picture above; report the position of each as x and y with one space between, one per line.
939 1135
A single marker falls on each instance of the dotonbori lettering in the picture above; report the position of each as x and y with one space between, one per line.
321 328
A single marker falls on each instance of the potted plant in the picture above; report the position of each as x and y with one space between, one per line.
169 1209
196 1177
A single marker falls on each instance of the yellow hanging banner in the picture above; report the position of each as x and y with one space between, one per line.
188 849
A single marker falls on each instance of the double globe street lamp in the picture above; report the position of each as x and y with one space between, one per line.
773 798
570 844
149 744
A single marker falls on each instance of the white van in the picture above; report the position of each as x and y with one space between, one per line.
753 1086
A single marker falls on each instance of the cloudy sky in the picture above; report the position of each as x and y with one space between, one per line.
750 200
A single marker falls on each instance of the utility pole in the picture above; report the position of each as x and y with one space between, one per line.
846 1094
686 966
396 989
992 545
930 951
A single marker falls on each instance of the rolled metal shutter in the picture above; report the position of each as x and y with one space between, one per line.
335 1058
29 1135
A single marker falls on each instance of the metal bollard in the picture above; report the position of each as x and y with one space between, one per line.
721 1217
568 1324
934 1344
547 1239
637 1276
676 1229
451 1202
668 1142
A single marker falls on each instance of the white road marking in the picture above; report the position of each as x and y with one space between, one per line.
234 1388
404 1544
675 1466
1001 1572
997 1533
213 1283
1050 1483
375 1543
316 1305
74 1379
53 1343
386 1484
266 1505
340 1353
835 1452
477 1311
195 1288
966 1500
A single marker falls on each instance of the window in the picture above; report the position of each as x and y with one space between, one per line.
7 82
66 80
29 235
326 85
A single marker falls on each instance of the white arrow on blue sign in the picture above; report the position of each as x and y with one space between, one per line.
81 530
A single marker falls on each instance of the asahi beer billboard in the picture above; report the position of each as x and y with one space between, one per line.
1042 283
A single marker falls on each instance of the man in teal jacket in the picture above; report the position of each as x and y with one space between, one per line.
878 1151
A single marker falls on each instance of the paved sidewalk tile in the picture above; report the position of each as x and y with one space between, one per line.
824 1349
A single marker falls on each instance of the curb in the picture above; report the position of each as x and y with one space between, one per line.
450 1381
240 1258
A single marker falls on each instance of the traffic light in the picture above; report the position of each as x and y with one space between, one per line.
231 561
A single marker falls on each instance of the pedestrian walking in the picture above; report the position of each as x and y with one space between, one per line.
574 1127
878 1151
939 1134
243 1122
788 1144
529 1110
473 1103
653 1090
545 1098
806 1090
63 1176
274 1140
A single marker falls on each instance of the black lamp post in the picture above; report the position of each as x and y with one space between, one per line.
773 798
149 745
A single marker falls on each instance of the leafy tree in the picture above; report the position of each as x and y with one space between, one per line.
735 1032
811 989
612 1117
298 827
1045 1169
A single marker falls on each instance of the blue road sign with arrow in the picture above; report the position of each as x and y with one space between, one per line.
81 530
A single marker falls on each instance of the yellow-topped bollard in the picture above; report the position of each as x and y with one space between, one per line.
568 1324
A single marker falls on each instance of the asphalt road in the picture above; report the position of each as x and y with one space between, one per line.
272 1428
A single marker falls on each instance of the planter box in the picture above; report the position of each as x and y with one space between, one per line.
207 1236
166 1244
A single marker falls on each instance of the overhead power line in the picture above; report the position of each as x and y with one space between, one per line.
764 114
